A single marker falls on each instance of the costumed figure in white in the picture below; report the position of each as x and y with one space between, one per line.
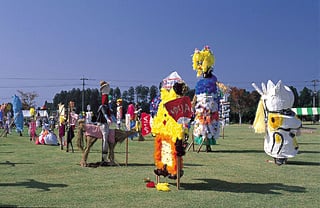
47 136
206 100
275 118
89 115
104 119
119 113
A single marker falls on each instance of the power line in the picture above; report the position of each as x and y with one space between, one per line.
35 79
35 86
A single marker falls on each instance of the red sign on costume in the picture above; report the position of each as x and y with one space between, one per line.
145 124
180 109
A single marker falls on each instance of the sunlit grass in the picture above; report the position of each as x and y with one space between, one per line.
236 174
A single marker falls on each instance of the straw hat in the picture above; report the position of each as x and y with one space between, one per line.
103 84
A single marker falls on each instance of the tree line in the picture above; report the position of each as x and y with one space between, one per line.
243 103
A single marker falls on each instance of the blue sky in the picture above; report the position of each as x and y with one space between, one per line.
48 45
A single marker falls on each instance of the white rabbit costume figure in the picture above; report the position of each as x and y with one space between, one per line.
274 113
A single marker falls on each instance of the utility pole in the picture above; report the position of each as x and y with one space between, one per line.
314 92
83 83
315 81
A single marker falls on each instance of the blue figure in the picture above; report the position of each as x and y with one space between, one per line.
17 113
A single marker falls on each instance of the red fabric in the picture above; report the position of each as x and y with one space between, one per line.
180 107
33 129
93 130
151 184
215 116
62 130
104 99
145 124
131 111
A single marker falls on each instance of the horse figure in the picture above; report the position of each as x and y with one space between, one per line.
92 133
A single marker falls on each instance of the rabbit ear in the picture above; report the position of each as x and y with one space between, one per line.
257 88
270 85
278 86
264 88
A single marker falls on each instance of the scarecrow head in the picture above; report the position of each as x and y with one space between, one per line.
105 90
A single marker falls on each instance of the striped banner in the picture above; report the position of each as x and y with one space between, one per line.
306 111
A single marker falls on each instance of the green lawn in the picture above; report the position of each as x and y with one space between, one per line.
236 174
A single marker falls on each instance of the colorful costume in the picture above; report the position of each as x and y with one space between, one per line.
47 136
206 100
168 132
274 111
32 125
17 113
130 119
72 120
62 124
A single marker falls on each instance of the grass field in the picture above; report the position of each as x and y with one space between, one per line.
235 174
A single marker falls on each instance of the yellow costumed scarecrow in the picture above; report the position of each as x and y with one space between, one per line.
169 133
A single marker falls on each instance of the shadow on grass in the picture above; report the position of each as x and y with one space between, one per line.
31 183
303 163
139 164
5 144
309 143
225 186
13 164
98 164
191 164
237 151
8 206
6 152
302 152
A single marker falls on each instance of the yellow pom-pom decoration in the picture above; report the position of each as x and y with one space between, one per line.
32 111
202 60
208 60
163 122
163 187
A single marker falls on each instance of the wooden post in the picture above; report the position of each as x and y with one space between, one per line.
223 132
192 143
178 171
127 144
